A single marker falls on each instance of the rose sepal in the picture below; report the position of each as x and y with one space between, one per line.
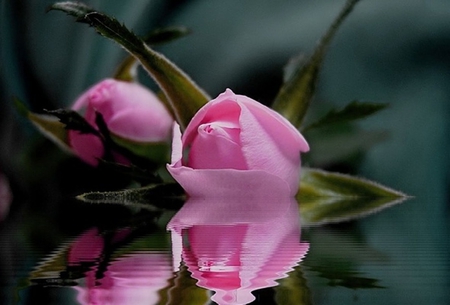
295 95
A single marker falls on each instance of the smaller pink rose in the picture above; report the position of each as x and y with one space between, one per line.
130 111
233 141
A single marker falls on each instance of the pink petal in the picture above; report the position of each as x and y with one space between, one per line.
141 125
222 210
87 147
270 143
129 109
86 248
177 146
215 147
230 183
215 110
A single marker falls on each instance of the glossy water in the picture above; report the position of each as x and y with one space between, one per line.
256 258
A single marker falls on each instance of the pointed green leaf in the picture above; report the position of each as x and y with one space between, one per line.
325 142
326 197
184 96
292 66
48 125
165 35
76 9
294 97
353 111
127 70
317 183
158 152
166 196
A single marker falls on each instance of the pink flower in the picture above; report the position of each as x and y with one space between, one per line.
234 140
130 111
248 250
5 196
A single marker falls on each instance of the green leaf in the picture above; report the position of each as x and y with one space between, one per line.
76 9
158 152
165 35
353 111
326 197
328 144
164 196
291 67
127 70
48 125
184 96
294 97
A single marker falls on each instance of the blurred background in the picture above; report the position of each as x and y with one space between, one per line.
395 52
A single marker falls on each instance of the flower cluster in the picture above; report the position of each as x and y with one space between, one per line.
231 138
229 146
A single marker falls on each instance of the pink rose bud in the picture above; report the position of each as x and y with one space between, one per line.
130 111
232 140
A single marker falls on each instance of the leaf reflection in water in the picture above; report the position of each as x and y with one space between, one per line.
232 247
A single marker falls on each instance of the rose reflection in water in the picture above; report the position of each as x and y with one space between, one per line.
235 246
230 246
132 278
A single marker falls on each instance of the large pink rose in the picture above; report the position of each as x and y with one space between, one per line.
234 140
130 111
